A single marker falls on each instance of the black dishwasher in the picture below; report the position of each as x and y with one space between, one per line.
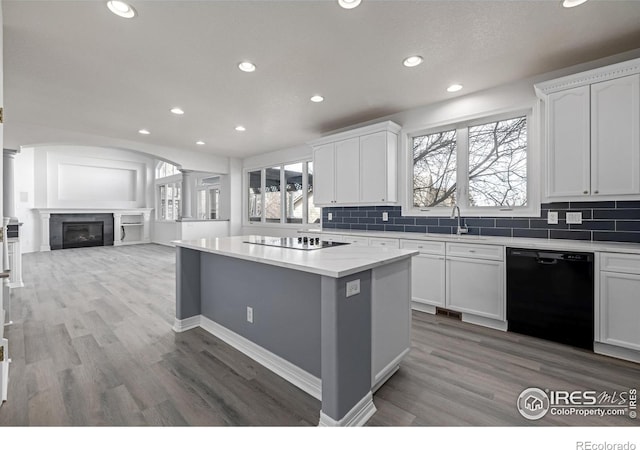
550 295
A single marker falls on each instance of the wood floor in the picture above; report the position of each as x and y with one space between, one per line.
92 344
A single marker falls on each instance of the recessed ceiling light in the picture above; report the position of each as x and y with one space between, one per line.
349 4
454 88
413 61
317 98
240 128
200 142
121 9
144 131
572 3
177 111
247 66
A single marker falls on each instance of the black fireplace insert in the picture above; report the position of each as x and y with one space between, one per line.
82 234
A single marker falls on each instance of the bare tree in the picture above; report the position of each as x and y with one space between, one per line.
497 166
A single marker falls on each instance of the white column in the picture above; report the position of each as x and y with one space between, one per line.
146 220
187 191
8 184
45 245
117 229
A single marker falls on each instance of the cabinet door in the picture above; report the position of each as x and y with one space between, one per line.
373 175
476 286
324 175
348 171
568 146
427 279
615 144
620 309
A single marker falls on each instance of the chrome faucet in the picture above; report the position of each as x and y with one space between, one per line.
461 229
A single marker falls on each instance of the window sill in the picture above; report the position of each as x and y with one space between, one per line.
446 212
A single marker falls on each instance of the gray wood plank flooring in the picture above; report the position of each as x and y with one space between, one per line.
92 345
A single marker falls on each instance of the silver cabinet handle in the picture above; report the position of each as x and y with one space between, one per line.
472 251
585 192
595 192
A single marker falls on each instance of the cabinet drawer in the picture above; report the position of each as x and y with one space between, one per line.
480 251
431 247
384 242
620 262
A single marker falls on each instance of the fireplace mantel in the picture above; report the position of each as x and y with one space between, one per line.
139 217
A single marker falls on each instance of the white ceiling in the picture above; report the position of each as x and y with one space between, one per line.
73 67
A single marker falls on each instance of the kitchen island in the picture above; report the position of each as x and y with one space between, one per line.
333 321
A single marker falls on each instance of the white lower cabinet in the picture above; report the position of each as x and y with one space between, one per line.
476 286
427 273
619 300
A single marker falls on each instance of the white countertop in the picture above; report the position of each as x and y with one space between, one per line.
334 262
543 244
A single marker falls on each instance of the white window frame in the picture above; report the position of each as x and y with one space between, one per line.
282 223
173 179
207 188
532 209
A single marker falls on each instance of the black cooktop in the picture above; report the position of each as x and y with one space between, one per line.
299 243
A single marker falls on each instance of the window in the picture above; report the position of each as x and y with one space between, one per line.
288 194
169 198
482 166
168 191
165 169
208 202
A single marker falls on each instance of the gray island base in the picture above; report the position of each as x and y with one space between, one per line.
288 310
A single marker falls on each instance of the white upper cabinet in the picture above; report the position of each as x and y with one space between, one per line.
357 167
324 174
347 171
593 134
377 166
568 158
615 143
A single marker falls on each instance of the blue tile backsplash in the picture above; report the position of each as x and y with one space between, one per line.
601 221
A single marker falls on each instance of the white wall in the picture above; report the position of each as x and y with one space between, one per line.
25 199
167 231
78 177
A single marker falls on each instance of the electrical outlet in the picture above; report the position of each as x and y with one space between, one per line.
574 217
249 314
552 218
385 216
330 216
353 287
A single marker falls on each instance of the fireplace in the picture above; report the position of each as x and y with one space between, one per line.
82 234
80 230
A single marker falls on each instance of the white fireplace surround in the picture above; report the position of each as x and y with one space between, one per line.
141 218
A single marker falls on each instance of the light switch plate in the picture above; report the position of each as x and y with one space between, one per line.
385 216
574 217
330 216
552 218
353 287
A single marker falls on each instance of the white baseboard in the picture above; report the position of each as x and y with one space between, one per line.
422 307
485 322
381 377
17 284
180 325
616 352
290 372
356 417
